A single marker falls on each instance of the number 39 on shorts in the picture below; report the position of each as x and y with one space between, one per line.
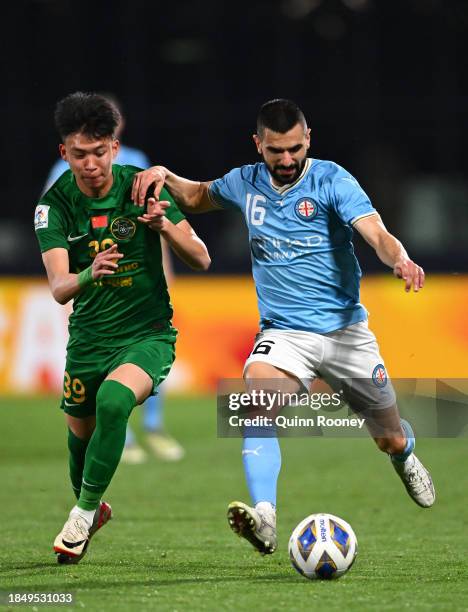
73 388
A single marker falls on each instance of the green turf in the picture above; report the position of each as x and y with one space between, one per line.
169 547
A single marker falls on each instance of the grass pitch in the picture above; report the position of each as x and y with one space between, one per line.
169 546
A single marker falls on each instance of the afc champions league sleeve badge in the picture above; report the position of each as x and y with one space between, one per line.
123 228
41 216
306 209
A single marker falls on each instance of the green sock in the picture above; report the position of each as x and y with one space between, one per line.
76 460
114 403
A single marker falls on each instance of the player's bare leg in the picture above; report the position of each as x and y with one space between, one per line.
395 436
262 462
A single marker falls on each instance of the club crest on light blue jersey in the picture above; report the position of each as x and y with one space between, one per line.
306 209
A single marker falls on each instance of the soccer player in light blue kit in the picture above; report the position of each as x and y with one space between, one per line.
161 443
300 213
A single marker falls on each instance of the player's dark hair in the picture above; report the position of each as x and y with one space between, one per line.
89 113
280 116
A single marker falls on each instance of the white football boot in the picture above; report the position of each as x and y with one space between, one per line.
72 542
73 539
417 480
257 525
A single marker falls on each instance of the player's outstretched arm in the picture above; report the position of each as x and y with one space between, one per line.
65 285
191 196
390 251
181 237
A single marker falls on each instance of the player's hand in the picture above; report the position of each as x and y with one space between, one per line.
142 181
155 217
411 273
105 262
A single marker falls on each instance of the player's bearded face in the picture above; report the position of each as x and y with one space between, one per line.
285 174
285 154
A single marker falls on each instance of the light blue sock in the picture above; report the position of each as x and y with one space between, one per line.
410 442
262 464
153 412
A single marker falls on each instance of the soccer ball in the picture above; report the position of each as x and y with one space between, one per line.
322 546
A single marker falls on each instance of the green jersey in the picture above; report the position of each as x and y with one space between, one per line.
134 300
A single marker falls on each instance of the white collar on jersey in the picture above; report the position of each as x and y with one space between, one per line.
284 188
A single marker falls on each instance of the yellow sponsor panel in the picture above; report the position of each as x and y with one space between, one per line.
217 321
420 335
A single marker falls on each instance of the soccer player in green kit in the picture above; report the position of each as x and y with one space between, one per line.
101 251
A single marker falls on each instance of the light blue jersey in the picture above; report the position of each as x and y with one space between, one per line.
127 156
305 271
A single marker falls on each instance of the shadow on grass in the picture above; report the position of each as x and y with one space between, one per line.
25 565
169 576
91 585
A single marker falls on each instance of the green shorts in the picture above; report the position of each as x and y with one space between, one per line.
88 365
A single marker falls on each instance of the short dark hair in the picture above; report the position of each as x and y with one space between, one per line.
279 115
89 113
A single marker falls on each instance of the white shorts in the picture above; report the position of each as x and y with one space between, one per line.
348 360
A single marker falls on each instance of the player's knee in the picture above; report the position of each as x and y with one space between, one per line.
114 403
391 446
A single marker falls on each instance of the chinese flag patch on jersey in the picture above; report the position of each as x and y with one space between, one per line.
100 221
